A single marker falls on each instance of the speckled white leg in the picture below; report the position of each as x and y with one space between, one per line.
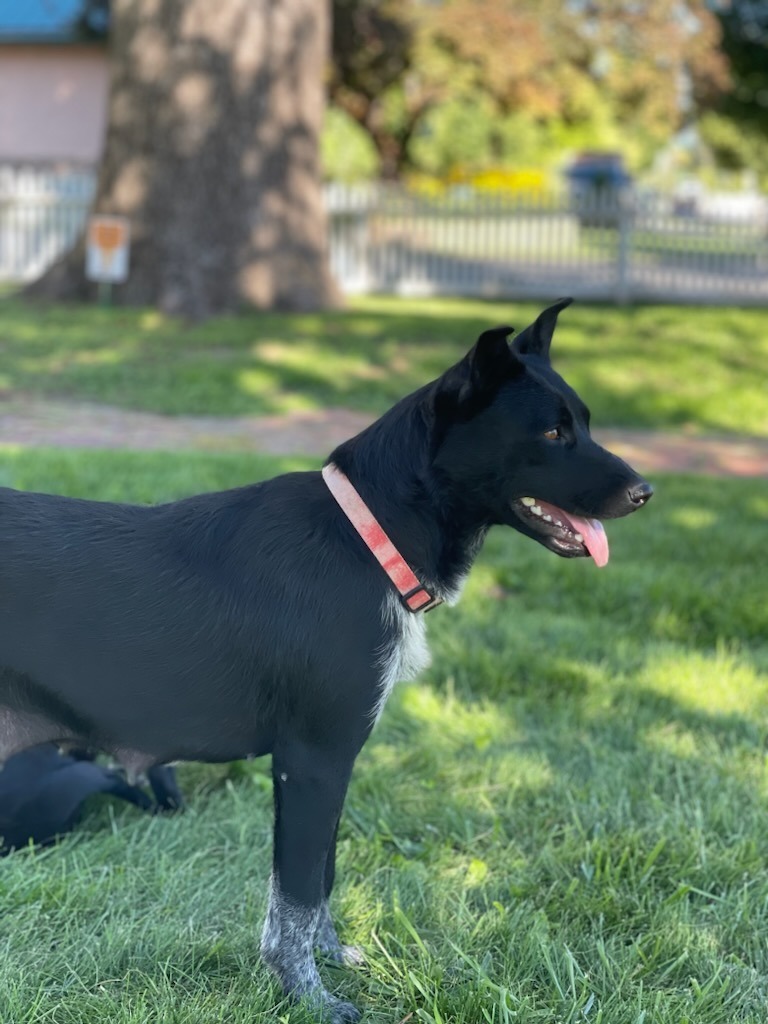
287 947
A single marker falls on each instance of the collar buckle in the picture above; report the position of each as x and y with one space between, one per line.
420 600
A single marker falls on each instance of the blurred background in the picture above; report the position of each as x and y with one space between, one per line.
475 147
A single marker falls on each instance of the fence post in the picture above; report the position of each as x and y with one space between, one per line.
624 254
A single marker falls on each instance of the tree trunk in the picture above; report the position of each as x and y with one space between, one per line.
212 154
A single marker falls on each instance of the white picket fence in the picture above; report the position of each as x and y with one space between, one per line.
41 215
611 247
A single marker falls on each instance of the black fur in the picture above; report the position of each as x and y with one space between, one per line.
253 621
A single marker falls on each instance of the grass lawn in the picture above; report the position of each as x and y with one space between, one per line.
701 369
564 821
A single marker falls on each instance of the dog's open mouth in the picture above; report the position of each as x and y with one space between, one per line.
564 532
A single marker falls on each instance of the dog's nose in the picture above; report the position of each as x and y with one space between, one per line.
640 493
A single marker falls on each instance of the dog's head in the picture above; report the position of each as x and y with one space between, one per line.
511 439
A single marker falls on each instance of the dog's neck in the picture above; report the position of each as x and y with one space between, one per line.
389 464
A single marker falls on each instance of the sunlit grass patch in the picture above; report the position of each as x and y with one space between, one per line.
687 368
713 682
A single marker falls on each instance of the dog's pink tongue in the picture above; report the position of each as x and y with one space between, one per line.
595 540
591 530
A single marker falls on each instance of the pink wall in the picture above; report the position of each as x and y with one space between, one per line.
53 103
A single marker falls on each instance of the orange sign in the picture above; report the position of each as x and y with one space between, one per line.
106 255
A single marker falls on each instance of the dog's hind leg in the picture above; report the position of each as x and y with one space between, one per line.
310 786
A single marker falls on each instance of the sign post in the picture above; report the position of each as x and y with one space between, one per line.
106 253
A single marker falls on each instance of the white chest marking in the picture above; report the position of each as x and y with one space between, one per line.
406 655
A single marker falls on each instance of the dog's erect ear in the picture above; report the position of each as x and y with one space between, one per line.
489 358
469 384
536 339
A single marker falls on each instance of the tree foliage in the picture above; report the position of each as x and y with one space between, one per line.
745 43
736 131
641 66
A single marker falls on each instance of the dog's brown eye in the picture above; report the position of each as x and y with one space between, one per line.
553 434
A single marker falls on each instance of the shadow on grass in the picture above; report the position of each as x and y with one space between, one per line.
624 828
648 367
256 363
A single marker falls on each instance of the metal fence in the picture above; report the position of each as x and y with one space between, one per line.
601 245
610 246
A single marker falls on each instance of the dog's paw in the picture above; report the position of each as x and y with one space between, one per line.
327 1009
343 1012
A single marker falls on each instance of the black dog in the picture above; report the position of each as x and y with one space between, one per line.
42 790
257 620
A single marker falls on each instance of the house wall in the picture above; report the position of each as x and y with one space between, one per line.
53 103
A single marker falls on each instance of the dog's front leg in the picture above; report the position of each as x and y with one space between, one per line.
326 939
309 786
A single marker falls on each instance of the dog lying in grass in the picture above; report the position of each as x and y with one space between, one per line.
276 618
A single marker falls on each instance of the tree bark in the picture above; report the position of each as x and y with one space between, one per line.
212 154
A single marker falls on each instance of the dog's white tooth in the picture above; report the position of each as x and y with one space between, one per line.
579 538
548 519
528 502
536 509
558 523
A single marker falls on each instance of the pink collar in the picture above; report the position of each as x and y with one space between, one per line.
416 597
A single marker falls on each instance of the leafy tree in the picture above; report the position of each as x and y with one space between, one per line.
373 53
212 155
736 131
395 61
610 67
659 61
745 43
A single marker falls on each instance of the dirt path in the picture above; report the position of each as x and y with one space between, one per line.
30 422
